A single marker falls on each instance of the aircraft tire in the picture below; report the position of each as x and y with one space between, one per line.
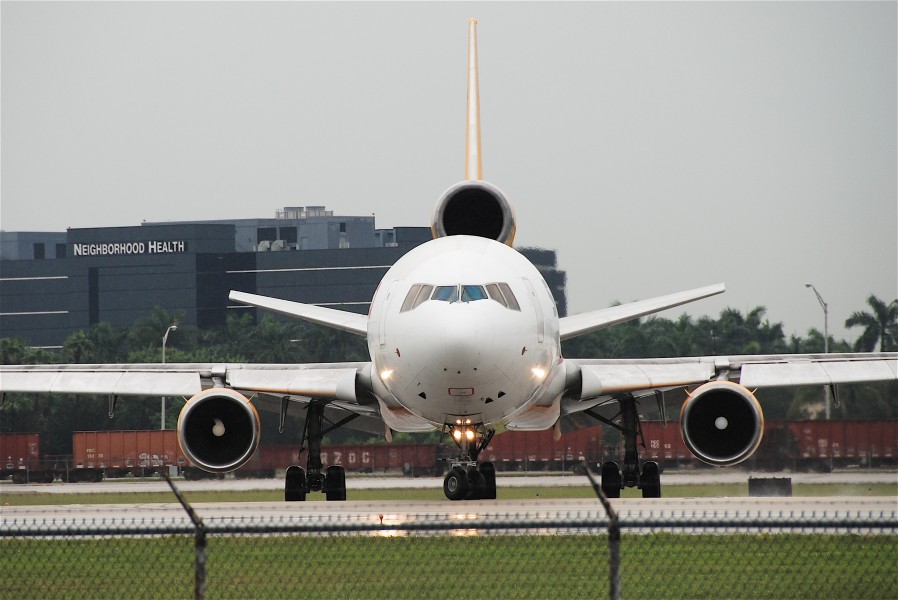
611 479
335 484
295 484
489 476
650 480
476 484
455 484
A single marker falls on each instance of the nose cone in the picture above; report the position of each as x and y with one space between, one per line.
460 347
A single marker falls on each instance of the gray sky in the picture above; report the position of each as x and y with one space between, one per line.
656 146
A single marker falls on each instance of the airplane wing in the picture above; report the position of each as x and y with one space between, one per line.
345 384
575 325
337 319
598 380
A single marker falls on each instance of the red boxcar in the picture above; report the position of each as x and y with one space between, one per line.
537 450
824 444
20 456
120 452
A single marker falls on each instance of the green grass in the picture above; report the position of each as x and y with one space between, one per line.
653 566
23 497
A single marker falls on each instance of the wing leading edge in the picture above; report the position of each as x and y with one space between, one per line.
329 317
576 325
330 381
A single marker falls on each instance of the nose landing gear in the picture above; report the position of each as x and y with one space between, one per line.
468 479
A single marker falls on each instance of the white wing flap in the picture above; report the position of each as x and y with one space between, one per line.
313 383
818 372
624 377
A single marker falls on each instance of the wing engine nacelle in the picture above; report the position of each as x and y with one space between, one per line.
218 430
474 208
722 423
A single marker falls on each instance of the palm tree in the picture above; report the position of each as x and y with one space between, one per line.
881 326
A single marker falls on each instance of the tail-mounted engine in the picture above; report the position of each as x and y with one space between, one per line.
722 423
474 208
218 430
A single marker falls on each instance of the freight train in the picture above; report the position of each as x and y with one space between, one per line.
796 445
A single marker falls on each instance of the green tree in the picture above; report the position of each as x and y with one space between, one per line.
79 348
880 326
148 332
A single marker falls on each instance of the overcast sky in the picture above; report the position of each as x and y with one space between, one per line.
656 146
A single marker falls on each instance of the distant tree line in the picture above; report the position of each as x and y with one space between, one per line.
272 340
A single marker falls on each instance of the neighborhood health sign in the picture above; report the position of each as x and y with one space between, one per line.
116 248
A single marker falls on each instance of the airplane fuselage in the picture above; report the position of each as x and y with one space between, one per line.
463 329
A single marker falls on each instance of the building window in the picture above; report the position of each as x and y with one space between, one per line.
266 234
38 250
61 250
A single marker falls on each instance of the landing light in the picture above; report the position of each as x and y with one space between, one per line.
539 373
469 435
386 374
456 435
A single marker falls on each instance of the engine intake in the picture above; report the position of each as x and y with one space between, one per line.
722 423
474 208
218 430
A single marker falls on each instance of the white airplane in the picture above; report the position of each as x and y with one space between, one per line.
464 337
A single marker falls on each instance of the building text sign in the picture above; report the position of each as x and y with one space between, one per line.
118 248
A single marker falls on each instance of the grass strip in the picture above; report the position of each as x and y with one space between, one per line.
656 565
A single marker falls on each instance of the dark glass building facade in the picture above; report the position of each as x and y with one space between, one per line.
54 284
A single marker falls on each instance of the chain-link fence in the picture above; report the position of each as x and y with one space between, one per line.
459 554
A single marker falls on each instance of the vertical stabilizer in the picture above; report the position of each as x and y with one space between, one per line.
473 164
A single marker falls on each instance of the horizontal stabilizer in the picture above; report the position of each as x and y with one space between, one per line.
329 317
575 325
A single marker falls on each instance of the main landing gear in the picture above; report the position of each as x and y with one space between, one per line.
467 479
314 478
614 478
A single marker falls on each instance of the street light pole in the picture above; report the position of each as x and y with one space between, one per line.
825 307
164 341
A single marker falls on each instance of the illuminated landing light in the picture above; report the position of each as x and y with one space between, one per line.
469 435
456 435
386 374
721 423
539 373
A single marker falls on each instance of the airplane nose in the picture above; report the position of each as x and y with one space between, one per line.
461 344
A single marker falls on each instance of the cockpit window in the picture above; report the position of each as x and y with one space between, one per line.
501 293
445 293
421 292
493 290
470 293
416 295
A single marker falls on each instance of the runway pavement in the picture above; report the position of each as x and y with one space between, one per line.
466 514
316 511
360 482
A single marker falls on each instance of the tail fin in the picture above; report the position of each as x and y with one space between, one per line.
473 206
473 163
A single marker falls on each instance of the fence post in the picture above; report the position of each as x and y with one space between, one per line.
199 542
613 536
